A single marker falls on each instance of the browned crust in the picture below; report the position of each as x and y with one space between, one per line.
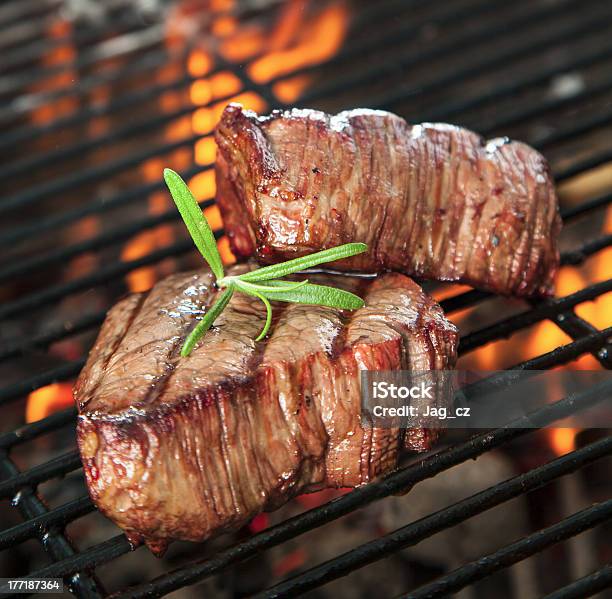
432 200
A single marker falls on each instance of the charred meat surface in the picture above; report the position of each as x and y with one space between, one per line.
431 200
185 448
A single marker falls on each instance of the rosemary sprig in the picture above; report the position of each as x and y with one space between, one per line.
265 283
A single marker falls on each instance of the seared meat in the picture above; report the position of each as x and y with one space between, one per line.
189 447
431 200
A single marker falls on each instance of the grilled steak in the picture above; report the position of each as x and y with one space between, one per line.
431 200
189 447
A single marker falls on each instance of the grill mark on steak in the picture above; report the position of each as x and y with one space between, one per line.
431 200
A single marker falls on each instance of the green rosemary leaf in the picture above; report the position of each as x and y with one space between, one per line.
196 222
264 299
266 286
213 312
276 271
320 295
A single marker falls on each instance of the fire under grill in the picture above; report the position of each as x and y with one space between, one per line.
96 99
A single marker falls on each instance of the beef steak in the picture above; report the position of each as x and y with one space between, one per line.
431 200
185 448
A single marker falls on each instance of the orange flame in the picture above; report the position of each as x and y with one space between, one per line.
563 440
46 400
297 40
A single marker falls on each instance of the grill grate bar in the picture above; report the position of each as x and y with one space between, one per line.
489 62
96 206
16 11
77 39
395 483
151 60
54 542
121 45
61 373
58 466
30 431
518 84
417 531
584 165
574 326
22 346
88 559
526 547
585 587
546 309
57 518
59 256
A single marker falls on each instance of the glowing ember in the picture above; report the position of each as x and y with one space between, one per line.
46 400
563 440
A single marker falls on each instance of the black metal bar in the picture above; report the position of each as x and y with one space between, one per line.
60 255
578 256
122 45
592 122
24 345
401 63
102 275
86 560
395 483
85 114
54 542
584 165
24 30
574 326
470 298
542 310
150 61
77 39
17 11
61 373
53 519
58 466
517 551
583 208
97 205
417 531
515 85
36 193
585 587
30 431
490 61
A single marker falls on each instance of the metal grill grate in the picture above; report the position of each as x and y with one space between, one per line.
533 41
